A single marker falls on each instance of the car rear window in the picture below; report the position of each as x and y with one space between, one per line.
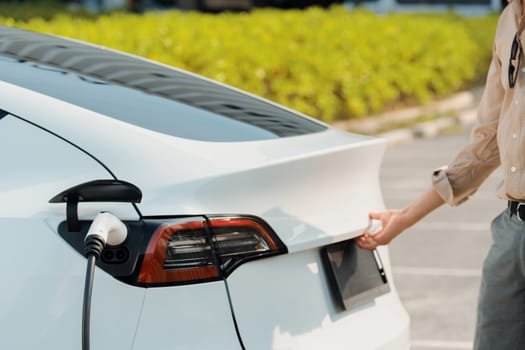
206 111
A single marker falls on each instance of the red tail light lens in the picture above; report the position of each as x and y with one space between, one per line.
178 253
199 251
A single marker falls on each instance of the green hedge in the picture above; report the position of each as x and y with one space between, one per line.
27 9
331 64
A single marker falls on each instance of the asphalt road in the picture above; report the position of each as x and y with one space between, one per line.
437 263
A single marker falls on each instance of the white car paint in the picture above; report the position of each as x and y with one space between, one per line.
186 317
303 314
42 308
181 176
42 276
313 190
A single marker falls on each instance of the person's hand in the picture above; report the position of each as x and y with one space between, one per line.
393 222
396 221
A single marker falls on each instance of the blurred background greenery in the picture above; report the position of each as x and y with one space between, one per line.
330 63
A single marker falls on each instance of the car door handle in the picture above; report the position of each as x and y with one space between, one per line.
95 191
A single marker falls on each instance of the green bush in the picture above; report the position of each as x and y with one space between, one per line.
27 9
331 64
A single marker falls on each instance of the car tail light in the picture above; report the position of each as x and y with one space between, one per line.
205 250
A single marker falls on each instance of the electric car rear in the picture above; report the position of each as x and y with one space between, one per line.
240 213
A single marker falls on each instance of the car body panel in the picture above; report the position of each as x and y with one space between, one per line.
50 280
304 314
196 316
41 304
184 177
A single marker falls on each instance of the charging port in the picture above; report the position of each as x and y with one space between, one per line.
115 255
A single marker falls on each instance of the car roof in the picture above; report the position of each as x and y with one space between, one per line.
154 79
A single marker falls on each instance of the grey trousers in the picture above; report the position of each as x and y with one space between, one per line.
501 305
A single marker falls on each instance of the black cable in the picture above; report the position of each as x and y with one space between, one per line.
93 247
86 309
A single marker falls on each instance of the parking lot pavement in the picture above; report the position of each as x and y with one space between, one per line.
437 263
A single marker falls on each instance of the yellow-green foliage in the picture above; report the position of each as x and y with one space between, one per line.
330 64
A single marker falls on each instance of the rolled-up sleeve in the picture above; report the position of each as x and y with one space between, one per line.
460 179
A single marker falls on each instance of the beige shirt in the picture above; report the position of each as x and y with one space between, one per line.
498 138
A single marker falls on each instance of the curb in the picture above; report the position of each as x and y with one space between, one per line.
457 111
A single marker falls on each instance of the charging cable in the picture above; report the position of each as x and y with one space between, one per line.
105 229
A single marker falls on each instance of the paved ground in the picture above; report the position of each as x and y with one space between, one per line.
437 263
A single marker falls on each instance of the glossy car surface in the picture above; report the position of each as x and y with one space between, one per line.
217 169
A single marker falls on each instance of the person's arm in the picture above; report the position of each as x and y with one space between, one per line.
455 183
395 222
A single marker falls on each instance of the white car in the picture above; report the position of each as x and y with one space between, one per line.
239 213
